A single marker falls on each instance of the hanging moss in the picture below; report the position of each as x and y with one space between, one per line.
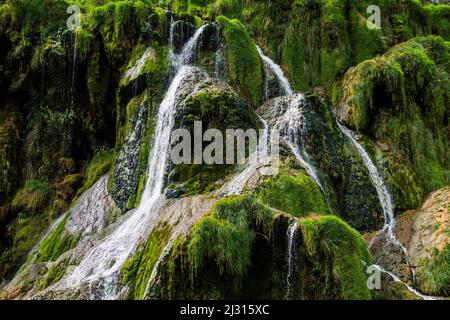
439 19
337 252
33 197
229 227
244 64
366 43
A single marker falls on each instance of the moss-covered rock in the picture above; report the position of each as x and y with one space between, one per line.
401 99
250 251
216 105
136 271
297 195
245 68
340 253
345 180
56 244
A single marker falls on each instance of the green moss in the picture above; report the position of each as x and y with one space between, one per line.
439 19
54 274
230 226
433 274
25 232
33 197
244 64
73 180
366 43
99 165
136 271
402 98
297 195
56 243
337 250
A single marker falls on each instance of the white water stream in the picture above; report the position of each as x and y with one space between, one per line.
101 266
272 66
291 255
388 209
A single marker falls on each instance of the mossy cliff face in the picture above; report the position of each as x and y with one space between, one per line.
75 106
401 100
248 259
349 191
321 39
245 69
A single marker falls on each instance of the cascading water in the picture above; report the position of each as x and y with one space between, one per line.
272 66
397 279
387 206
382 191
100 269
190 51
291 256
292 120
291 126
74 69
260 156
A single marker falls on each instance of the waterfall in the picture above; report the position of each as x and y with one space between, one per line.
100 269
384 197
220 69
190 50
291 124
382 191
272 66
74 70
291 256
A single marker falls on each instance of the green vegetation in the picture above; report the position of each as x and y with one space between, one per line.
56 243
244 64
381 95
136 271
337 252
63 94
217 106
54 274
99 165
433 275
231 228
33 197
297 195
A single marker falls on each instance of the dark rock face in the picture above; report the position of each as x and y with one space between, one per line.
181 32
127 172
345 179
